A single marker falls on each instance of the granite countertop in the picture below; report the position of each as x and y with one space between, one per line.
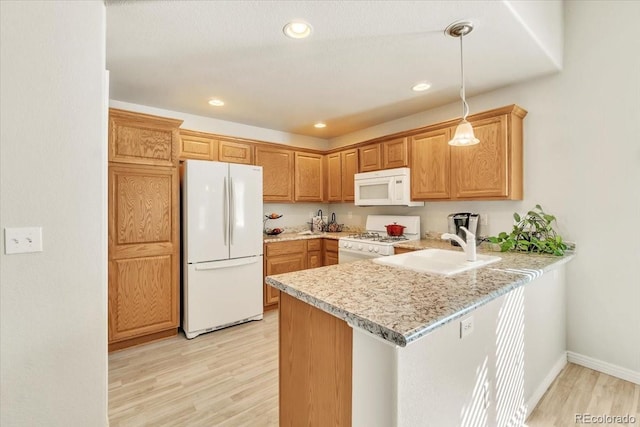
402 305
297 236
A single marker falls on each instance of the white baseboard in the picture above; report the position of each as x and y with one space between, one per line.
604 367
546 383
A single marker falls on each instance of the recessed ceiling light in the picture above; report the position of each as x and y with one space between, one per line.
421 86
216 102
297 29
320 125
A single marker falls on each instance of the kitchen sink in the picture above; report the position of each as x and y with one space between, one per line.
438 261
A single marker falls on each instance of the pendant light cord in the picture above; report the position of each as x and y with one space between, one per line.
465 106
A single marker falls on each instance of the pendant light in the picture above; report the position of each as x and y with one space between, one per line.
464 132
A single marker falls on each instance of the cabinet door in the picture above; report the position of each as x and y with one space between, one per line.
277 173
370 158
395 153
349 169
314 259
282 264
143 139
330 252
196 145
334 177
308 177
235 152
430 165
481 170
143 251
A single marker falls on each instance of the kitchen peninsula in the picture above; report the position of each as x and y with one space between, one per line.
365 344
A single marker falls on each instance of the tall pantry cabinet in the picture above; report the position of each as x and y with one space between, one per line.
144 246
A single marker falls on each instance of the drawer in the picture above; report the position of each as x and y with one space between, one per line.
285 248
314 245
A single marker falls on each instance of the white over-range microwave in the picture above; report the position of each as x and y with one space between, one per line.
390 187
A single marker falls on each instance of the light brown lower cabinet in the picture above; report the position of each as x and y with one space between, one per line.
309 337
282 257
330 252
295 255
314 253
398 251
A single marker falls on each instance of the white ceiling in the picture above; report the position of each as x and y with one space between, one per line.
356 70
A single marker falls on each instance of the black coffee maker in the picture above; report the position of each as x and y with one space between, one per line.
463 219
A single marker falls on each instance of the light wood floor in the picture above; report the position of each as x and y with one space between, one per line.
230 378
580 390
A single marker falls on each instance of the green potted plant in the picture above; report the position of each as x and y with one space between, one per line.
532 233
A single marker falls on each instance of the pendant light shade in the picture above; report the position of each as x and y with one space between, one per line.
464 132
464 135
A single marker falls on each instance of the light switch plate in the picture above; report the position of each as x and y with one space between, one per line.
22 240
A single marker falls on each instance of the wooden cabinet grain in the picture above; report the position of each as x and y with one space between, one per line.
143 254
277 173
309 177
330 252
398 251
490 170
143 221
142 139
314 253
395 153
282 257
235 151
430 165
197 145
334 177
370 157
341 169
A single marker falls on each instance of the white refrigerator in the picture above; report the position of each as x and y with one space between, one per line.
222 245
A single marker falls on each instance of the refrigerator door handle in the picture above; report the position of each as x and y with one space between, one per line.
225 223
232 211
215 265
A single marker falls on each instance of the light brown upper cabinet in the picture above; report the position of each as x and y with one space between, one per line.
349 160
395 153
490 170
308 177
277 173
341 168
370 157
142 139
334 177
197 145
235 151
430 165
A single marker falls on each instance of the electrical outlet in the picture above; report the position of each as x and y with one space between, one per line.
466 327
484 219
350 215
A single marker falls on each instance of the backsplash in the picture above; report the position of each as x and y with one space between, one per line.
433 216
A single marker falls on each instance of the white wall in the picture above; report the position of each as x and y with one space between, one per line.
223 127
53 328
582 163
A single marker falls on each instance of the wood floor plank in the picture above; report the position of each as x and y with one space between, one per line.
229 378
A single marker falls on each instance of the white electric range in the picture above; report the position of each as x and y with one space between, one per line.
375 242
